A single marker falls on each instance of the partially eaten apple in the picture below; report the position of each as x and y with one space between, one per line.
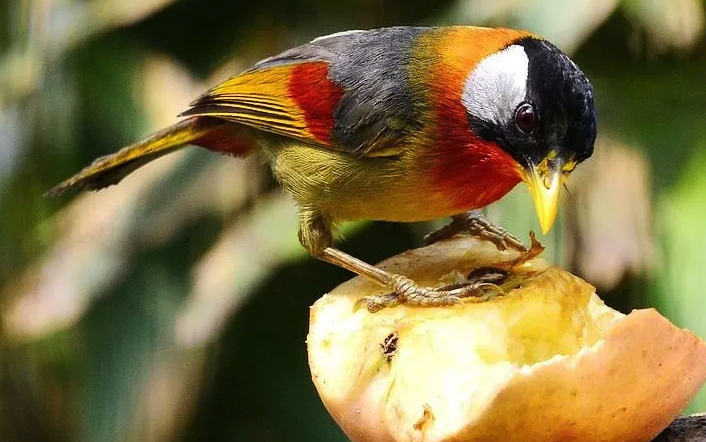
546 361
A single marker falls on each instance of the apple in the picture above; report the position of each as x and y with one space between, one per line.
545 360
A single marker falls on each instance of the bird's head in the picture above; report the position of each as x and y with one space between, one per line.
535 104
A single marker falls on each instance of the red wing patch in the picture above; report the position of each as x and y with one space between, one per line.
228 139
317 97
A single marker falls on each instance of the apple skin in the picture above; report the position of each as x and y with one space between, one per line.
547 362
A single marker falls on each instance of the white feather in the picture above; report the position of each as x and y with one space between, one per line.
336 34
497 85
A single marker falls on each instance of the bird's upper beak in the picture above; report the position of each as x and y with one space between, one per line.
544 181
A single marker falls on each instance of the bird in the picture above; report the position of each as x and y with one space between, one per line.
397 124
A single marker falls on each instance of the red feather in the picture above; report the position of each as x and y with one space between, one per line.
471 171
316 96
227 139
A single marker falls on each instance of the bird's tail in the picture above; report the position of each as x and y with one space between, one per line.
208 132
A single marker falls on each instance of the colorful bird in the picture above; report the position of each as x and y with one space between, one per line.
395 124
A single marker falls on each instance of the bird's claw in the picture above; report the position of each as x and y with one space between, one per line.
374 304
480 287
475 224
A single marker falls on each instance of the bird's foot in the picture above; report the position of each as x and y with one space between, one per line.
475 224
482 285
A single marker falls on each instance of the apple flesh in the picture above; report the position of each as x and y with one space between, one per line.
547 361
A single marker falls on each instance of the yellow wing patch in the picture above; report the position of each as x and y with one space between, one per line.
295 100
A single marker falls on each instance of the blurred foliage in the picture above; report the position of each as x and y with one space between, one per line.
174 306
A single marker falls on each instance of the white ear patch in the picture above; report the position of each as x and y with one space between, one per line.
497 85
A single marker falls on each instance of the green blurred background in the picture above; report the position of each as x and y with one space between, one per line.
174 307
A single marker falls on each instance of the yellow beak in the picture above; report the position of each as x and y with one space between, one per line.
544 184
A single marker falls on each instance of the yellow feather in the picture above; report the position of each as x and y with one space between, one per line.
109 170
259 99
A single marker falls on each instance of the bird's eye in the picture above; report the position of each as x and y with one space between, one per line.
525 118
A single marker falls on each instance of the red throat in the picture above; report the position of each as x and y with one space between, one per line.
470 172
467 171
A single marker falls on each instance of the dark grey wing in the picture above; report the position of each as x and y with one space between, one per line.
377 110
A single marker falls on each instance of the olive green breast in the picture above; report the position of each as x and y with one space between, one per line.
345 187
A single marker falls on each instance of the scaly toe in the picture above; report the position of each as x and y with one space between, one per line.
375 303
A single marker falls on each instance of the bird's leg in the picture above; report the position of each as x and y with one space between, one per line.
315 234
476 225
405 290
480 287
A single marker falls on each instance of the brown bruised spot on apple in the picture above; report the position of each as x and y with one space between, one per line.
548 361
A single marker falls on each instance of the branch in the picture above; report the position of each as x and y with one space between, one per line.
685 429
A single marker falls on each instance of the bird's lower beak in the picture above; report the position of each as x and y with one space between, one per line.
544 183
